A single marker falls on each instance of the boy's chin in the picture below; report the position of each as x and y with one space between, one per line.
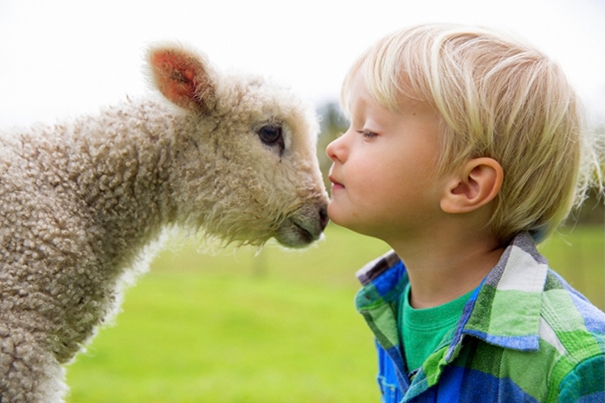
342 219
334 213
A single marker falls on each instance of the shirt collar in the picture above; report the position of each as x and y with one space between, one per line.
505 310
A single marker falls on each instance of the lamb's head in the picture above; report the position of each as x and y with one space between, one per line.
246 168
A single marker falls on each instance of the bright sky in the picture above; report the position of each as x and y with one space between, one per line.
62 58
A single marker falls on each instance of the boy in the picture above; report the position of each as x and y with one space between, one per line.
464 151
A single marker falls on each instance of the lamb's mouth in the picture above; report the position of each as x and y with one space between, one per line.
302 228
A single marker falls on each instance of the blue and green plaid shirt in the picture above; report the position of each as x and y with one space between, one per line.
525 335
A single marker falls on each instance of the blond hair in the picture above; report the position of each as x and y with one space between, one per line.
498 98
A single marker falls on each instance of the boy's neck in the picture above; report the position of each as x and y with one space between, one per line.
444 268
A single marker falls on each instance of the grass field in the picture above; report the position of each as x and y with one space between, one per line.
278 327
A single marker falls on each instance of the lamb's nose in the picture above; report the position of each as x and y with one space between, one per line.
323 217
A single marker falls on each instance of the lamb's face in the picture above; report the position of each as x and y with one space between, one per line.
269 178
245 166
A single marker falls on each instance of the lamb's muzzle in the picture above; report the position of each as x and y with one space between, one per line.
304 226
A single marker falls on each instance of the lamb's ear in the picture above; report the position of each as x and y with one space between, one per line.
183 77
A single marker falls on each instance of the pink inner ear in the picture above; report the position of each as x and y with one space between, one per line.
176 76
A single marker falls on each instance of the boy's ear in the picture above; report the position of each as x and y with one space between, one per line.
477 183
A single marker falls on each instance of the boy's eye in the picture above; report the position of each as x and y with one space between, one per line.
367 134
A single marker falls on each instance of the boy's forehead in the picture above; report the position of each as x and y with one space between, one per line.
400 99
364 110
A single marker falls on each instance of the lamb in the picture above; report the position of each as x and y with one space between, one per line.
228 155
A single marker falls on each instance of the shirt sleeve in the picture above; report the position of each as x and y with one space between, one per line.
586 383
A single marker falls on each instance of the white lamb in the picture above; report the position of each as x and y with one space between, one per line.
80 201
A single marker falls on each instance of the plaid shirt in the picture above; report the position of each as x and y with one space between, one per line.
524 336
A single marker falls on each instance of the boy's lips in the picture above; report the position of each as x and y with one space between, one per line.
335 183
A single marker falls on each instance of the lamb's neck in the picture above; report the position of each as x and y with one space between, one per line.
126 184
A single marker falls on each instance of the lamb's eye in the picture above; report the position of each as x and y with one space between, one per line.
272 135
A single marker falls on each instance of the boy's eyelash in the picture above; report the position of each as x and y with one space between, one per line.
367 133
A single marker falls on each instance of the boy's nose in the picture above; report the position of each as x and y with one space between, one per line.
335 150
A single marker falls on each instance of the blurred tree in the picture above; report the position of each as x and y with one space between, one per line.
333 124
592 211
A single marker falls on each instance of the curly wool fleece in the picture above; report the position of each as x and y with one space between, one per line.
80 201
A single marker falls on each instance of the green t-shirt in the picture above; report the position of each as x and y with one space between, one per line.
422 330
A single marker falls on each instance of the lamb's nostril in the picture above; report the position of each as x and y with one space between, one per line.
323 217
303 226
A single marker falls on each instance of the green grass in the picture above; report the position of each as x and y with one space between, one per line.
280 327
